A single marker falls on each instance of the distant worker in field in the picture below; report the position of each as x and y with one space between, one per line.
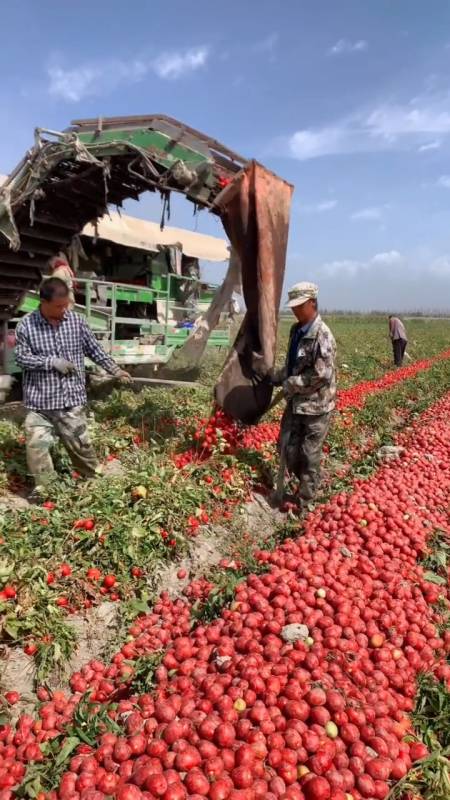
51 345
397 332
60 268
309 382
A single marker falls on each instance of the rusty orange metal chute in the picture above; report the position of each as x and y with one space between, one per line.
255 214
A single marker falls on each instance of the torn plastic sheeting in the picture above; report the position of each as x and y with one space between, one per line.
190 353
255 214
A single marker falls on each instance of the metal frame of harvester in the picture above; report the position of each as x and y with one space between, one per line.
70 179
145 319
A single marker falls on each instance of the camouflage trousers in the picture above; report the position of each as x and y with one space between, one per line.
42 428
303 436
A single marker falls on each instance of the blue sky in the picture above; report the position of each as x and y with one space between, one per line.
347 99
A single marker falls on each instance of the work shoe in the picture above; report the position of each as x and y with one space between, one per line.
37 496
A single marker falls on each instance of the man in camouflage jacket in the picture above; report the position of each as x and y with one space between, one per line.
309 382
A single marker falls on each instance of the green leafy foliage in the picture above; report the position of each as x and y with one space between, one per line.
428 780
144 669
432 712
225 583
88 723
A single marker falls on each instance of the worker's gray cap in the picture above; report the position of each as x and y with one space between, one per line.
301 292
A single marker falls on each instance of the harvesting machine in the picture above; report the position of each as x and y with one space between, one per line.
141 302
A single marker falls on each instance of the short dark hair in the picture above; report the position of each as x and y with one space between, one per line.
53 287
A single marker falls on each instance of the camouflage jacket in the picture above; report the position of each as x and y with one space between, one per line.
312 386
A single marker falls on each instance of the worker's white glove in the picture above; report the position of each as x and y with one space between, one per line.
123 376
63 366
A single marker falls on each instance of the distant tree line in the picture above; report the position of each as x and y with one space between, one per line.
347 313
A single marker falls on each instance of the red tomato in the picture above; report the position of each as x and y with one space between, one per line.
93 574
317 788
12 698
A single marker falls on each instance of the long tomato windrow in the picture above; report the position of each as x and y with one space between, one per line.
301 689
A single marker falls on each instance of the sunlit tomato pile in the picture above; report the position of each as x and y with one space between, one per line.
241 712
355 396
219 431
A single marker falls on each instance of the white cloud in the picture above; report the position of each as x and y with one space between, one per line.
391 257
350 267
417 117
391 126
373 213
434 145
75 83
418 280
346 266
319 208
344 46
444 181
307 144
172 65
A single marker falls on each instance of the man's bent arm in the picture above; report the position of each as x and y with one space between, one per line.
320 374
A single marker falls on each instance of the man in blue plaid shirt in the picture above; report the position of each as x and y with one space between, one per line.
51 345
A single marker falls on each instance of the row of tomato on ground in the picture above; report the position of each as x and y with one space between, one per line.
221 432
301 689
74 585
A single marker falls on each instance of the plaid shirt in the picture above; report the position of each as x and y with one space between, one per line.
38 343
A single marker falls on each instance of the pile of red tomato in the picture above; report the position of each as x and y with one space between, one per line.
242 709
219 431
355 396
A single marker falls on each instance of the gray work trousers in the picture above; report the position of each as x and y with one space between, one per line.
399 348
70 426
304 435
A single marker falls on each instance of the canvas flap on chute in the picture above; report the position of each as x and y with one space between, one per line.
255 214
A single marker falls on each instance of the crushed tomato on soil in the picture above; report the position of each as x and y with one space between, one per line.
302 689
